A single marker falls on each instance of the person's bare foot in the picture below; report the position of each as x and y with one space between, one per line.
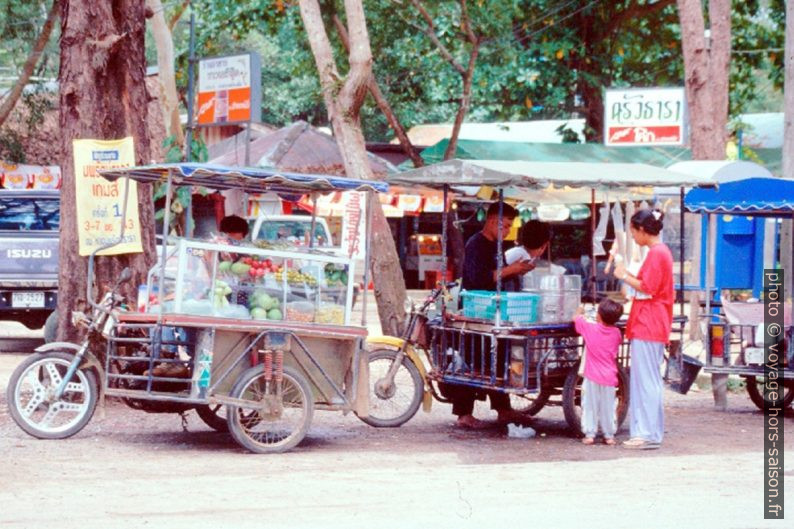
470 422
588 441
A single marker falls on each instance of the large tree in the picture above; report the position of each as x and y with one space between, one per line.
102 96
707 59
344 95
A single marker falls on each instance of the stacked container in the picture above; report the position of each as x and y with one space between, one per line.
560 295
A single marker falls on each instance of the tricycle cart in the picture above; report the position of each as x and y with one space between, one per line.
734 340
499 342
254 337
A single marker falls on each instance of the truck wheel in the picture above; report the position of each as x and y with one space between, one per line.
51 327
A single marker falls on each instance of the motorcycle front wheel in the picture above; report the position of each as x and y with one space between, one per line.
31 396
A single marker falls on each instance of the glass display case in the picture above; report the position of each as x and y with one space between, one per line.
248 282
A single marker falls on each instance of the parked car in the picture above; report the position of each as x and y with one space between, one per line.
29 223
291 228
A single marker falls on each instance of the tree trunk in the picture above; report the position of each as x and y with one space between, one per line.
706 67
30 64
102 96
343 104
166 78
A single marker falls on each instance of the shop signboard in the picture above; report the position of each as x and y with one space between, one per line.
230 89
645 116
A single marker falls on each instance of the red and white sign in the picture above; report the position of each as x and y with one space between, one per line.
229 89
645 116
354 223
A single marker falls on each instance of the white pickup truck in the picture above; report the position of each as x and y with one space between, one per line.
292 228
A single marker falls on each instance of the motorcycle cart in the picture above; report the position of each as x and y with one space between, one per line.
734 337
509 342
255 337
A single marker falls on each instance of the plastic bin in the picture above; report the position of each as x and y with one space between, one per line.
517 307
681 372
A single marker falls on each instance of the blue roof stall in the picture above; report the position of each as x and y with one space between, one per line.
741 208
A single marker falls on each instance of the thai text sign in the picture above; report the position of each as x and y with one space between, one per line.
644 116
229 89
354 224
100 203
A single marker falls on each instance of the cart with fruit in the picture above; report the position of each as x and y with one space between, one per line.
254 337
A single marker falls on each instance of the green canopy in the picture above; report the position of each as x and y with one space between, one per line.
576 152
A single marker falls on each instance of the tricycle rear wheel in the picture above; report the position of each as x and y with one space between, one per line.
756 392
572 399
31 396
280 413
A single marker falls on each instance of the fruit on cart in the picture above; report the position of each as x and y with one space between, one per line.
224 266
220 291
274 314
330 313
297 277
258 313
240 269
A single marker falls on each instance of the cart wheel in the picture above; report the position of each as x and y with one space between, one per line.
530 404
31 396
572 399
279 417
756 391
392 405
214 416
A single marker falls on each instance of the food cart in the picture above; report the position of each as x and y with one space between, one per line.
519 343
734 339
254 337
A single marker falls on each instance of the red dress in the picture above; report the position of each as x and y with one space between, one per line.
651 319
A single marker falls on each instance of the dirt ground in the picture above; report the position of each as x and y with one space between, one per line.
132 469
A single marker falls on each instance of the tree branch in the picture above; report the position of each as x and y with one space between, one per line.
383 103
353 92
177 15
30 64
636 11
430 31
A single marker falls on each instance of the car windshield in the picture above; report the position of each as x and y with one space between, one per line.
292 231
29 214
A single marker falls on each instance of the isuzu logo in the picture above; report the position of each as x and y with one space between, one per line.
28 254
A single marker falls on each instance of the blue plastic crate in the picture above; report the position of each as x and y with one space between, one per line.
518 307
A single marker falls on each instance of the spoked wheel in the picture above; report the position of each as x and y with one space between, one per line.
530 404
214 416
31 396
572 399
755 389
392 403
279 414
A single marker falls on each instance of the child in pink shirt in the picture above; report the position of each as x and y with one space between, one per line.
602 342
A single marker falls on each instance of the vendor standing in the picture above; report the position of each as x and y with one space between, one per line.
480 273
480 260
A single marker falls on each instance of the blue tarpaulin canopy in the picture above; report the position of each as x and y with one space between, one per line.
756 196
249 179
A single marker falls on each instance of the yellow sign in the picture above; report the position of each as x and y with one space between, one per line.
100 203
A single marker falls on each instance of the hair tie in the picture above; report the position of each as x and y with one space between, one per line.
657 214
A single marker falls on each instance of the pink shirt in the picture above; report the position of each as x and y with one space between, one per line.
601 343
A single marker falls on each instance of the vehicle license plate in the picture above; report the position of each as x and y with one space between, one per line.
27 299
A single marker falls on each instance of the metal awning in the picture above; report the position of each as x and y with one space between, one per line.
541 175
248 179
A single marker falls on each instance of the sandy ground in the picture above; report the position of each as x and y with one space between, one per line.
132 469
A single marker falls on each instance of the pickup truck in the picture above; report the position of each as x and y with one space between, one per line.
29 221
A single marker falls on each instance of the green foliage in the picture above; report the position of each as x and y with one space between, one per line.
180 200
12 147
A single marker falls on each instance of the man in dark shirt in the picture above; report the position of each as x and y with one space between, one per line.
479 273
479 263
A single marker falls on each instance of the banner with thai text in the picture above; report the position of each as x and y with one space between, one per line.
100 203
